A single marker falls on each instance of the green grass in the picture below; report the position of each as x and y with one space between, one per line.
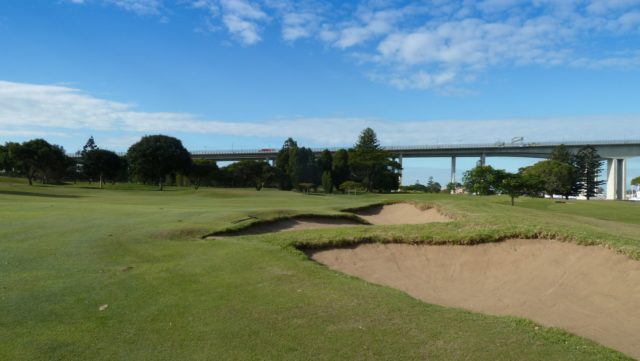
65 250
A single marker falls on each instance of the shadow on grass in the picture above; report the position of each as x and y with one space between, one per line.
35 194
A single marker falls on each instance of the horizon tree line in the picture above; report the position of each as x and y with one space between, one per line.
161 160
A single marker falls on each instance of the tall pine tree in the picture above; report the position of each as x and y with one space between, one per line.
589 169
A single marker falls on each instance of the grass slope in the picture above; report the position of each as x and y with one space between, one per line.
66 250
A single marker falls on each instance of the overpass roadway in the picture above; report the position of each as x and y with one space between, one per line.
615 152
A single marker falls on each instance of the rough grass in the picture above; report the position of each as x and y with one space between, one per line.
254 297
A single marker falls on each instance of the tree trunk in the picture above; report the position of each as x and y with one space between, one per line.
513 201
160 183
101 182
30 180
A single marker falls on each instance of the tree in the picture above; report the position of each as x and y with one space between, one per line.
561 154
7 157
433 186
340 167
635 181
102 164
156 156
327 182
518 184
483 180
282 164
371 165
325 161
202 170
556 177
416 187
589 169
89 146
368 140
249 173
39 158
303 167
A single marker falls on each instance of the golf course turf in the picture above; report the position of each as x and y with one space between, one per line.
171 294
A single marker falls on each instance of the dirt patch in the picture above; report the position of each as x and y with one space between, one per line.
401 213
589 291
293 224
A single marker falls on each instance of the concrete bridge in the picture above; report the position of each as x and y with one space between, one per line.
616 154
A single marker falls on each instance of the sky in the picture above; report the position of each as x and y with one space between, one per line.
246 74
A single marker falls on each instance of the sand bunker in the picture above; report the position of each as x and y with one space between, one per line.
589 291
400 213
295 224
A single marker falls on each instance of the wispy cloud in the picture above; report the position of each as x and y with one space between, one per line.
434 44
53 110
140 7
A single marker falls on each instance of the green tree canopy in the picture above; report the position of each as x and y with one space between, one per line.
156 156
325 161
635 181
39 158
556 177
351 187
368 140
483 180
589 169
303 167
327 182
561 154
88 146
371 165
519 184
340 171
282 164
433 186
102 164
202 171
249 173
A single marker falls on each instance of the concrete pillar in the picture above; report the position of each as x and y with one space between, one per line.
400 161
612 170
623 178
453 170
483 160
616 179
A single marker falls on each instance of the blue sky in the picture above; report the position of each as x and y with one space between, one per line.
223 74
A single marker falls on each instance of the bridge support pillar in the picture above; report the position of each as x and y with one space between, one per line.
616 179
483 160
400 161
453 170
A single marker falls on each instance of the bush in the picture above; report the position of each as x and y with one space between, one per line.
352 187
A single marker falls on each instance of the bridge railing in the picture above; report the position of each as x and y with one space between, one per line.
430 147
426 147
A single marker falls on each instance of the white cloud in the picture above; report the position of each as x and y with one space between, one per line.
241 18
298 25
54 110
412 38
140 7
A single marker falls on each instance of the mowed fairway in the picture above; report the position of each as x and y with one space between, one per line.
171 295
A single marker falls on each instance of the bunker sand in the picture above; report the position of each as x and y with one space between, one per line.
400 213
296 224
589 291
